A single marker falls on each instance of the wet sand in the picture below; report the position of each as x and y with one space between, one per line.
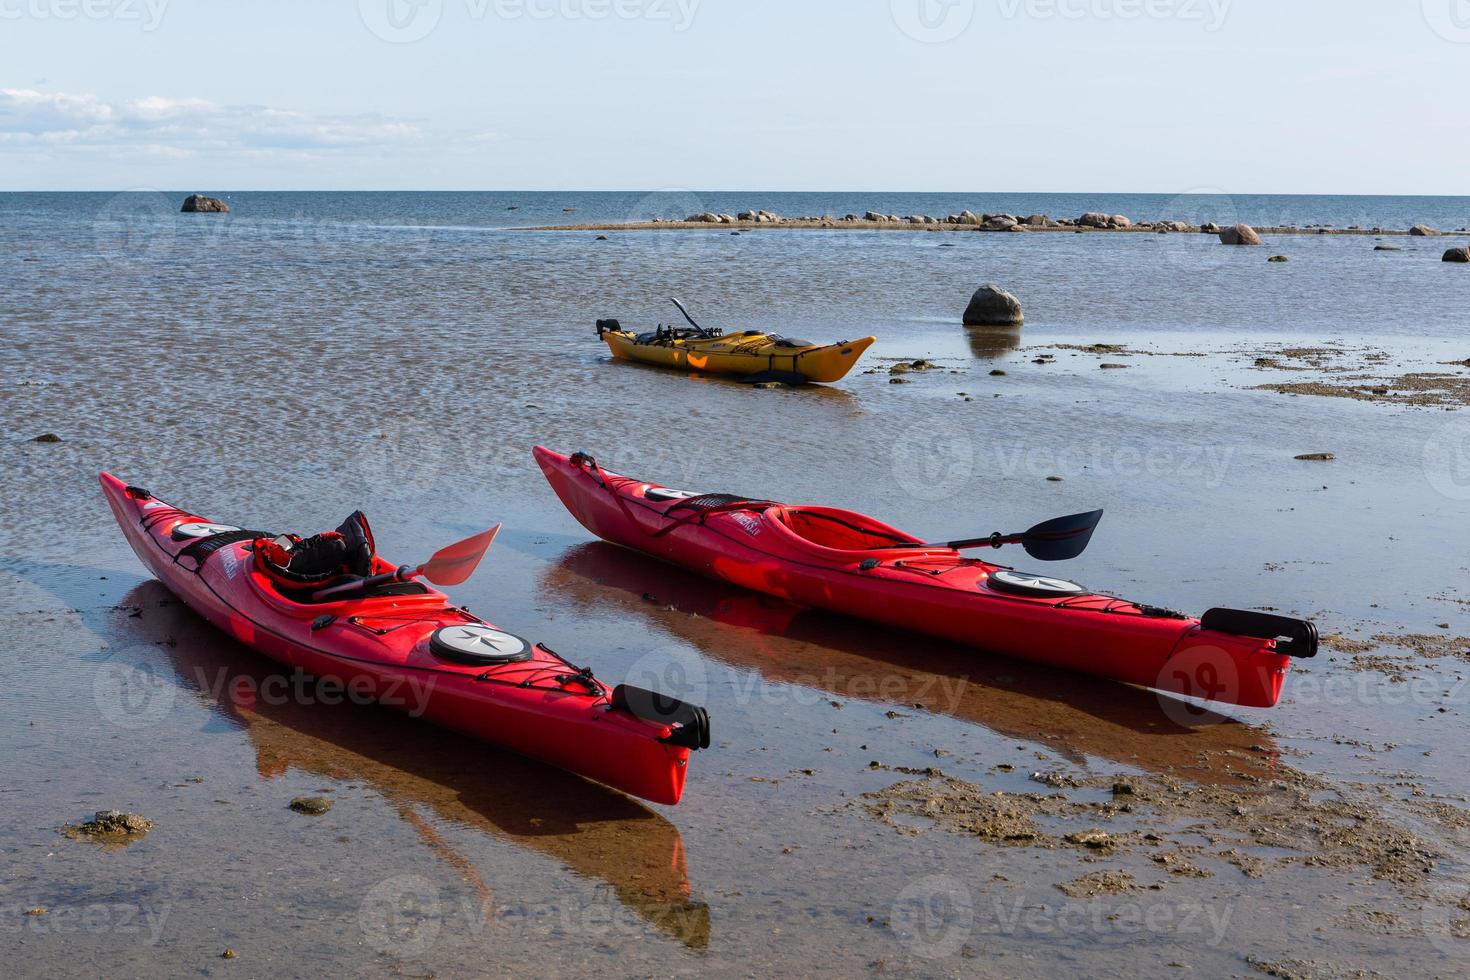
874 802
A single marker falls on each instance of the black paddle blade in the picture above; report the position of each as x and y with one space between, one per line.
1062 538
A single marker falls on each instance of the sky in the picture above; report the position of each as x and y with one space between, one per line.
1161 96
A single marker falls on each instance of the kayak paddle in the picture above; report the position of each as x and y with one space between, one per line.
449 566
1059 539
686 313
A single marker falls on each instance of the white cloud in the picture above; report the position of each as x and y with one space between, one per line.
183 126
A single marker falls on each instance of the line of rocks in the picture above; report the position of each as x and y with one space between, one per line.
1089 221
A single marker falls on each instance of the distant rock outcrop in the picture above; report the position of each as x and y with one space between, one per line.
199 204
1423 231
1239 235
992 306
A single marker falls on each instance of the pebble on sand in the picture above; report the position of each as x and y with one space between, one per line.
312 806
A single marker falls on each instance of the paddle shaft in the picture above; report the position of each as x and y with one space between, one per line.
995 540
401 574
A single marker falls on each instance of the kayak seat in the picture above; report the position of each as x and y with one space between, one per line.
298 567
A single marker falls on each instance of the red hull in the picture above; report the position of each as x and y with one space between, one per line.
936 591
379 648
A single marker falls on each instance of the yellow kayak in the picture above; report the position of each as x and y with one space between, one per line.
751 353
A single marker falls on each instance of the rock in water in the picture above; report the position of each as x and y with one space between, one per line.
1423 231
992 306
199 204
1239 235
312 806
1278 258
47 437
1457 255
110 825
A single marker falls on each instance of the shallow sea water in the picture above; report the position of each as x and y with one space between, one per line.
282 366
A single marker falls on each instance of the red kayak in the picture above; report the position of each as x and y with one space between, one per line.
850 563
405 645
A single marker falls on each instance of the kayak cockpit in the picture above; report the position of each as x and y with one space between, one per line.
836 534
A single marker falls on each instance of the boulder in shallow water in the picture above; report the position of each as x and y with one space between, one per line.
110 825
1119 221
1040 221
1423 231
1095 219
1278 258
1457 255
999 222
1239 235
992 306
704 217
199 204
